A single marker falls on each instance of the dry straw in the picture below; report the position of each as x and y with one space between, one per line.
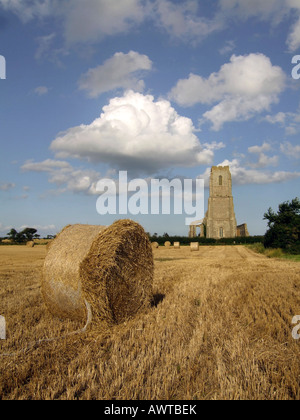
167 244
155 245
30 244
176 245
48 245
109 269
194 246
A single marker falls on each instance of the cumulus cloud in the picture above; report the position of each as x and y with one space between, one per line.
118 71
136 133
241 175
245 86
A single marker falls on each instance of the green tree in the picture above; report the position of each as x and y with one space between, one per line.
12 235
30 234
284 227
26 235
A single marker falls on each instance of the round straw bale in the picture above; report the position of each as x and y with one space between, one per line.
30 244
49 244
167 244
176 245
155 245
108 268
194 246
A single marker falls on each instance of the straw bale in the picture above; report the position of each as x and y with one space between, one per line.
48 244
194 246
155 245
167 244
30 244
176 245
109 269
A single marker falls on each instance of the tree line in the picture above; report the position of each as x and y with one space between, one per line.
283 231
24 236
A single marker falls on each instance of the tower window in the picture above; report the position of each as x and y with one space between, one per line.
220 180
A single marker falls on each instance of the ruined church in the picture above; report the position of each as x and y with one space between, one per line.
220 221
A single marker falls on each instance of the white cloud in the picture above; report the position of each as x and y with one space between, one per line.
241 175
182 20
7 186
263 160
245 86
266 147
118 71
27 10
293 40
229 47
136 133
290 121
41 90
91 20
278 118
65 176
290 150
44 228
274 11
46 166
263 10
47 51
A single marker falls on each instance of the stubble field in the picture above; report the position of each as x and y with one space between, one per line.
220 327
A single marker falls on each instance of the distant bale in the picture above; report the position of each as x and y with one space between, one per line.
194 246
176 245
167 244
30 244
107 269
155 245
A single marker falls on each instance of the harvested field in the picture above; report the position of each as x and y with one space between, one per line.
219 328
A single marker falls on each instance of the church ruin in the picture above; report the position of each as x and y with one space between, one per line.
220 221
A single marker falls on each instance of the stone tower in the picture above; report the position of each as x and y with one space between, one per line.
220 218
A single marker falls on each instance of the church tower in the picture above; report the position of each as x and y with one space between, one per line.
220 218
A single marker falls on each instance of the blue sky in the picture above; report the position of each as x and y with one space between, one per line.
160 88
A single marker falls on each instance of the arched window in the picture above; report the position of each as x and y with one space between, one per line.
220 180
